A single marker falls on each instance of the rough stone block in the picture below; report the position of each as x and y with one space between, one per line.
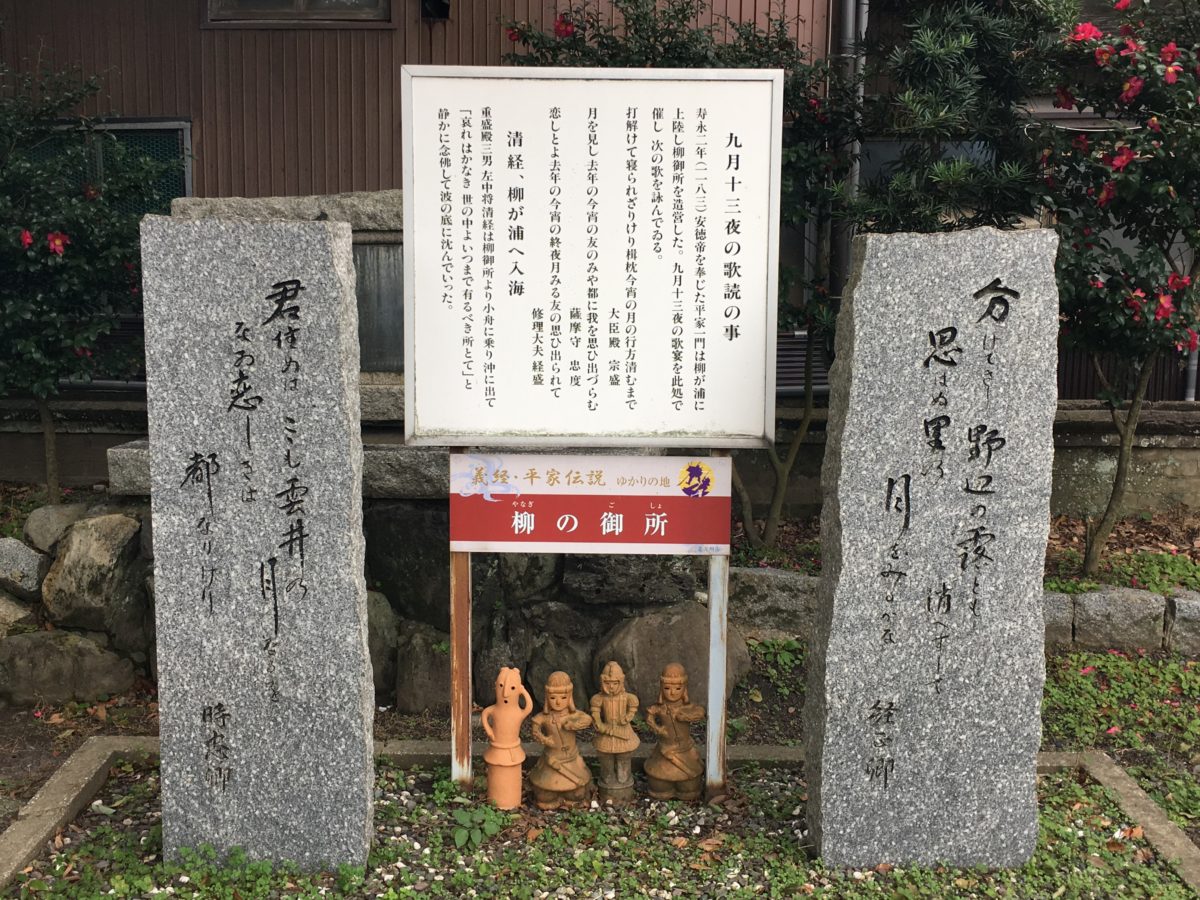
1059 613
46 524
96 582
256 466
1185 630
645 644
422 668
926 673
1120 618
772 603
383 631
13 613
57 666
22 569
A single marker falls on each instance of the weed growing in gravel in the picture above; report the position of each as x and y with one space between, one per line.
780 660
474 825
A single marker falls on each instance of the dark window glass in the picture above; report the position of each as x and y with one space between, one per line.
299 10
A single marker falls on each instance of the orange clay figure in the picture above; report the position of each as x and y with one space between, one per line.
613 710
674 769
502 724
560 776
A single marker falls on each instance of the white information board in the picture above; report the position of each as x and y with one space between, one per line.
590 256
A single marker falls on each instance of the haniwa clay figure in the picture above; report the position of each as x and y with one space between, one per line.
674 769
560 776
502 724
613 710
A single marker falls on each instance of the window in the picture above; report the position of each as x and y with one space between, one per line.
299 11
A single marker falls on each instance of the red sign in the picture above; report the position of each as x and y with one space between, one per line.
589 504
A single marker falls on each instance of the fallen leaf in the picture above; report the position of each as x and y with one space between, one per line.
679 842
58 841
1115 846
756 695
56 719
1143 855
884 868
533 834
1136 832
712 842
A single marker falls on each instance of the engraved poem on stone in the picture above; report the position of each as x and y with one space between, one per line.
927 669
256 462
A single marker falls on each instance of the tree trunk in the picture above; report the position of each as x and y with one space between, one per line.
783 471
50 444
1098 534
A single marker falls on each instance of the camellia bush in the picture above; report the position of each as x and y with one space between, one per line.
1126 195
820 118
68 247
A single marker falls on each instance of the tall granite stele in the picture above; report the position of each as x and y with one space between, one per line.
926 668
256 467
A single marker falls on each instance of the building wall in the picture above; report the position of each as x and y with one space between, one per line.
287 111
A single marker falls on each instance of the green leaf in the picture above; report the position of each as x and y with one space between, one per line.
476 837
460 837
491 828
463 817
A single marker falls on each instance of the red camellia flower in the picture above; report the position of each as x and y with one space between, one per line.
1131 89
513 35
1080 143
26 238
1086 31
57 242
1064 99
563 27
1193 341
1123 158
1171 75
1134 302
1132 47
1121 4
1153 124
1107 193
1105 54
1166 306
1126 30
1169 53
1177 282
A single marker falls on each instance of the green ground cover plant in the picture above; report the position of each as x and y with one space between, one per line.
1141 709
750 843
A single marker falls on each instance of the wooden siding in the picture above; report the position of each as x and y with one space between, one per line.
1077 377
285 110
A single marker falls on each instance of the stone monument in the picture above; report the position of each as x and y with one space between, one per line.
926 669
256 464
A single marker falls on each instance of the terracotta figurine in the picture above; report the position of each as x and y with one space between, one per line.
560 776
613 710
674 769
502 724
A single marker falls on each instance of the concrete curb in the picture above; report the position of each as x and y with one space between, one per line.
79 779
1168 839
69 790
